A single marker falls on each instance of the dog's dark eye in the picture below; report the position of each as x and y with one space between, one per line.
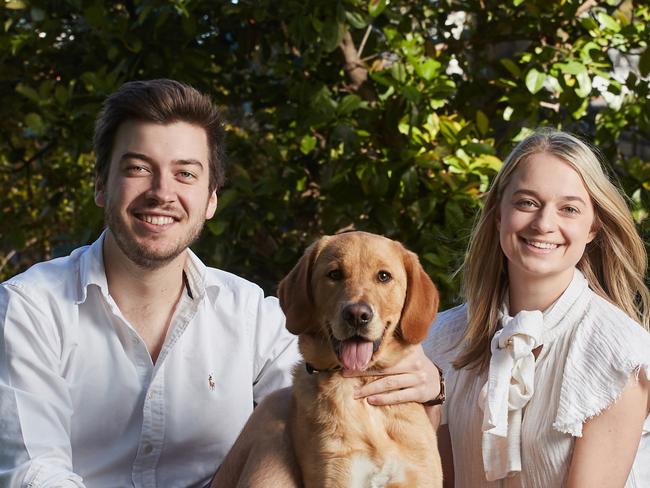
335 275
384 276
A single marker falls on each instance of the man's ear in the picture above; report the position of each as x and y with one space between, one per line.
100 192
212 205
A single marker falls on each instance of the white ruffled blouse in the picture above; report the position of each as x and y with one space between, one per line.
590 348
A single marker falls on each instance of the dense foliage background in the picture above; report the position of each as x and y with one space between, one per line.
387 117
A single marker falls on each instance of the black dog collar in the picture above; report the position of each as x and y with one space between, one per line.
311 370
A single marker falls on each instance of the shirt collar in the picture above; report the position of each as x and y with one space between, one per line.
91 269
565 306
92 272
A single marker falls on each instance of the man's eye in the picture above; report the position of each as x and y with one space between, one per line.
335 275
186 175
384 276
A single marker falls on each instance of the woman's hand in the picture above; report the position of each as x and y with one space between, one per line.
413 379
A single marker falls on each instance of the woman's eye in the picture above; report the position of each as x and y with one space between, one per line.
525 203
571 210
384 276
335 275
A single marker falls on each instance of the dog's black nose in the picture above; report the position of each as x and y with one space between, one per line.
357 314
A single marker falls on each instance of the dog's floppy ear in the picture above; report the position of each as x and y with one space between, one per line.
421 304
295 292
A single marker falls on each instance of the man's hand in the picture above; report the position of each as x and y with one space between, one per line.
413 379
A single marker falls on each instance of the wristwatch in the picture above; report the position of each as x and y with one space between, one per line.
441 396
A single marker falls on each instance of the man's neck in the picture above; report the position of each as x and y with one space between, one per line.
146 297
129 282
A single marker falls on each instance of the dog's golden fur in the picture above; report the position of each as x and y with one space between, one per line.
340 441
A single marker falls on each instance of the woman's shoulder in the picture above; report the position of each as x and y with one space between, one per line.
445 334
606 348
608 330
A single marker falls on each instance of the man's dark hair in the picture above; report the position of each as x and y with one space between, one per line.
161 101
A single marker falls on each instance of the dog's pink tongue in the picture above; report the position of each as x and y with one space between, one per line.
356 354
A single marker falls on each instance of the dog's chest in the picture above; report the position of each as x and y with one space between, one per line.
348 439
366 473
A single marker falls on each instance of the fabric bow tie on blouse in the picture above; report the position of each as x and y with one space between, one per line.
509 386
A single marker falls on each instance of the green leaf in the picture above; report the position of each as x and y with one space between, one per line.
581 110
398 71
522 134
427 69
216 227
589 23
331 35
608 22
644 62
356 19
585 52
28 91
349 104
61 94
34 122
511 66
15 5
584 84
482 122
487 161
307 144
572 67
535 81
376 7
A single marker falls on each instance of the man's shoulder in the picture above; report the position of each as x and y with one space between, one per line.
219 277
49 274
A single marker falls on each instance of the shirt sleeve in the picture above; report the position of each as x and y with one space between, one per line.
441 347
35 406
276 349
607 347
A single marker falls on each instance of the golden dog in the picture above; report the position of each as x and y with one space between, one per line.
357 300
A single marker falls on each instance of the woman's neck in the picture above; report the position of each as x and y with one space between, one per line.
531 293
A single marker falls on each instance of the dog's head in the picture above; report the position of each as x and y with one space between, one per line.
356 300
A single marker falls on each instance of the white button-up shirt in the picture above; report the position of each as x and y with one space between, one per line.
81 402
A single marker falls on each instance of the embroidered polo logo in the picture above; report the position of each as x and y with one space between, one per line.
211 384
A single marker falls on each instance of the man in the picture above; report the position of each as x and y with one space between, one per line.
129 363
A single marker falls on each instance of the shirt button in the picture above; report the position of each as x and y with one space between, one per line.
148 448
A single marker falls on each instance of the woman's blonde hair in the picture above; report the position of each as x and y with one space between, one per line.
614 263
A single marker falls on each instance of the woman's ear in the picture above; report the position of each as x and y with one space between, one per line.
595 229
421 303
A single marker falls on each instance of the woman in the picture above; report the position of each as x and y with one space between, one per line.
547 365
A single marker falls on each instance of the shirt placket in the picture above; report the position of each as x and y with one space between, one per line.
153 412
153 432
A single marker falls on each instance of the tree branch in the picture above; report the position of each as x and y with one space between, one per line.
354 67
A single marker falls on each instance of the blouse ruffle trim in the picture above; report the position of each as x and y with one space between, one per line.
606 348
